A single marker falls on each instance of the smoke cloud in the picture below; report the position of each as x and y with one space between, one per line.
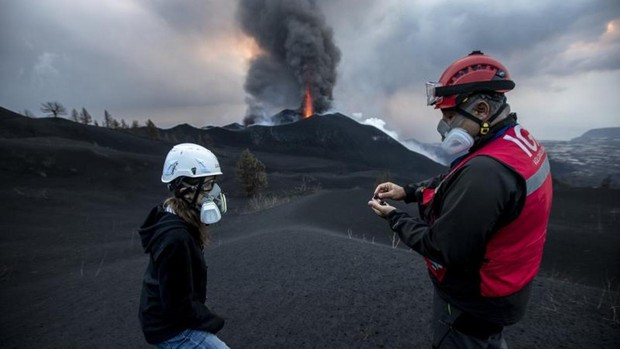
431 151
297 52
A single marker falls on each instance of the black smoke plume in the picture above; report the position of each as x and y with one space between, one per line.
297 52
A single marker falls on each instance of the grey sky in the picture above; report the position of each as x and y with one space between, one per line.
186 61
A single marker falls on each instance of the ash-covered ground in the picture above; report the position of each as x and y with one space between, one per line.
317 269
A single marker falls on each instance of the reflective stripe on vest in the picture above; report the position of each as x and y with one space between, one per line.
538 179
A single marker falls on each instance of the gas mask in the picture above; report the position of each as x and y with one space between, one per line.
455 140
212 206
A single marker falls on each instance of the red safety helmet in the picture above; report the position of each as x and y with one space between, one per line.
474 73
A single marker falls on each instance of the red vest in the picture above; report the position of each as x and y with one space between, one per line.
514 253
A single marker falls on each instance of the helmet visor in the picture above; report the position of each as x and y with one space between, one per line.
431 97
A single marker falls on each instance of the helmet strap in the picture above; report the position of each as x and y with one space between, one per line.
197 192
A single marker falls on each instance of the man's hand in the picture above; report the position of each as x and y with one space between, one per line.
382 210
389 190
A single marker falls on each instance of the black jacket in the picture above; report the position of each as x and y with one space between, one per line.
477 200
175 282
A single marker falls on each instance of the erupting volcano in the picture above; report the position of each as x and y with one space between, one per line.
295 67
307 107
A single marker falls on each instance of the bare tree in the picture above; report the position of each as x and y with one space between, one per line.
251 173
75 116
107 119
134 125
124 125
96 123
53 109
28 113
85 117
151 130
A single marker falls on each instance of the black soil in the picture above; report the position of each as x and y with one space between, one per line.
317 270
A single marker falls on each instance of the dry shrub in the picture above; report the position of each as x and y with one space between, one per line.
265 201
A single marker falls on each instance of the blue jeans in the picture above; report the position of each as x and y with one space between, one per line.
193 339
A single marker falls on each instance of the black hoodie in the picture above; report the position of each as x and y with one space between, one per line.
175 282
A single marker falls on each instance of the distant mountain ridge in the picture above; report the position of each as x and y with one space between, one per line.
15 126
332 136
590 160
607 132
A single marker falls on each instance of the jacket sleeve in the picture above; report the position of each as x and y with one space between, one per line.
412 191
480 196
176 287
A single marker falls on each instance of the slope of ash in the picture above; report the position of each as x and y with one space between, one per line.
317 270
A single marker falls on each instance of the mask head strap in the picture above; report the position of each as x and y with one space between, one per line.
485 126
181 189
482 139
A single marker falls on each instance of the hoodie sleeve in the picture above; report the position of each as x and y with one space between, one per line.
176 287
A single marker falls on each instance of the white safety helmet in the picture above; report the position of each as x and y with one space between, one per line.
189 160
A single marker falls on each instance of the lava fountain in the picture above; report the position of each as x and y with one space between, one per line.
308 108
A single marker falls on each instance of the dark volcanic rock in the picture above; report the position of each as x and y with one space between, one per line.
235 126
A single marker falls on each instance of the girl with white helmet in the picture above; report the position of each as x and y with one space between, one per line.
173 313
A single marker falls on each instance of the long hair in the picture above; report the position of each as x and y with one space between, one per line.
189 215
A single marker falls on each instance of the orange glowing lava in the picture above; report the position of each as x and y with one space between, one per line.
308 107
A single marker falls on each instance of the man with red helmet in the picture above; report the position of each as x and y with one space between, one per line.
483 224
